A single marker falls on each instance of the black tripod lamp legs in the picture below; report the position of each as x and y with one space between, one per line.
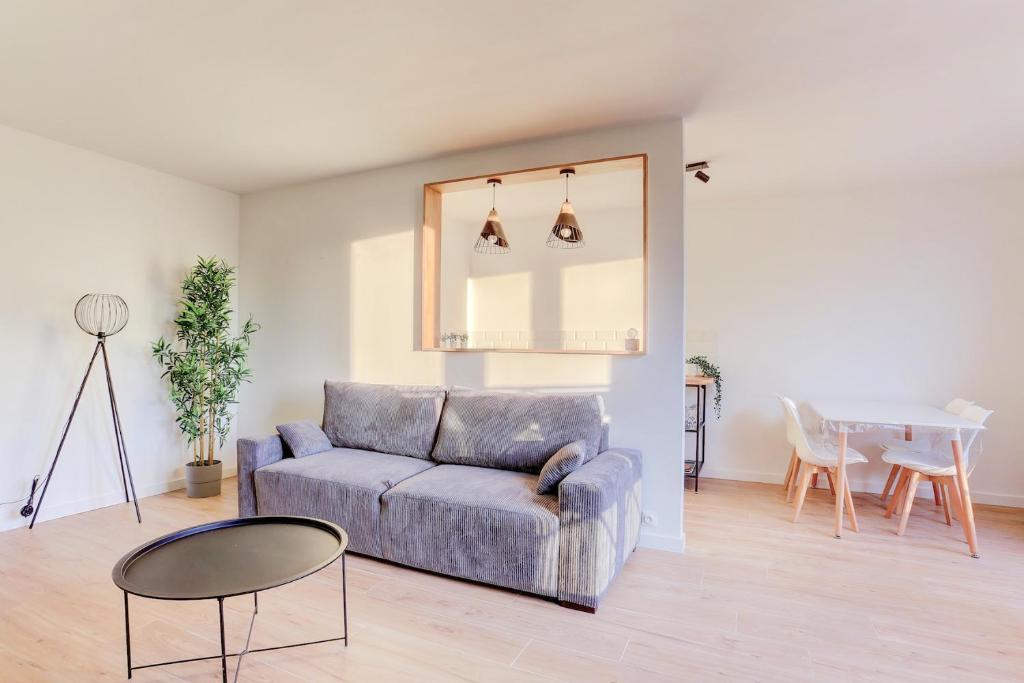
122 452
64 436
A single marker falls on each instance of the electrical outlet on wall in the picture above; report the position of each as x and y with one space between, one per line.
649 518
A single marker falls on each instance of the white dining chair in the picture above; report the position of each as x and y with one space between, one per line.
921 444
935 465
794 461
815 456
790 480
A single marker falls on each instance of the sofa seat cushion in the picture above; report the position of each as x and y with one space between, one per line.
515 431
475 523
342 485
401 420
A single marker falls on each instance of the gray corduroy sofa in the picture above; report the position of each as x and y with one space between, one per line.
444 480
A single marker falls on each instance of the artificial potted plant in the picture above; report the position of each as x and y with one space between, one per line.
708 369
205 368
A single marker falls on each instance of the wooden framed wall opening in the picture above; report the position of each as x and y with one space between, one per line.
452 204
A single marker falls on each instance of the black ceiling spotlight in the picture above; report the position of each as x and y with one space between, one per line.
699 167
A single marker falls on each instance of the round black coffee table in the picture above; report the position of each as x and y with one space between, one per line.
227 558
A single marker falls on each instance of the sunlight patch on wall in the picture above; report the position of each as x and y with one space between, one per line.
601 301
499 311
382 318
556 371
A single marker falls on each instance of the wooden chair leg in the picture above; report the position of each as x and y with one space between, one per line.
944 495
957 510
897 493
935 493
889 482
831 484
794 480
903 494
791 472
849 505
814 481
911 492
801 494
967 520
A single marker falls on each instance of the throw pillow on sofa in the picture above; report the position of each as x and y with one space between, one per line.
304 438
560 465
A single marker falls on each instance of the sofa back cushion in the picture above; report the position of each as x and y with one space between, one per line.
386 418
515 431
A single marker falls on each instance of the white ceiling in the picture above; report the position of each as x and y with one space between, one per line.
249 94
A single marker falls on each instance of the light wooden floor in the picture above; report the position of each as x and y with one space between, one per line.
754 598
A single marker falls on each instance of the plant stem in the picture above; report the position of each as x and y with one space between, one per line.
212 426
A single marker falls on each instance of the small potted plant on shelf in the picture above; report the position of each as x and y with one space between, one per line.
708 369
454 340
205 368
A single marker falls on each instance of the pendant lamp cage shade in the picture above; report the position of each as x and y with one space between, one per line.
492 238
566 232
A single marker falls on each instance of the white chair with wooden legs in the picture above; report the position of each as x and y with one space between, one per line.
815 457
935 466
920 444
794 462
790 480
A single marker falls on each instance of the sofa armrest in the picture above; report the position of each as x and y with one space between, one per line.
252 455
599 524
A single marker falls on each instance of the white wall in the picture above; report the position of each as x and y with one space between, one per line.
73 222
331 270
902 292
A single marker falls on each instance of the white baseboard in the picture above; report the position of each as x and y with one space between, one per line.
1007 500
115 497
871 486
742 475
673 544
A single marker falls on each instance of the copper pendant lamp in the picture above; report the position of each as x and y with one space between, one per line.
566 233
492 238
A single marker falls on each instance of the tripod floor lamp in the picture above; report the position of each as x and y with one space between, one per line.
102 316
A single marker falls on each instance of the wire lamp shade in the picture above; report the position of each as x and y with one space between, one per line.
566 233
492 238
101 315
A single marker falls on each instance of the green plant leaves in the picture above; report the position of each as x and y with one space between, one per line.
709 369
207 365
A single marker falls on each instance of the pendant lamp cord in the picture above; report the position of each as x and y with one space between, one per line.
566 187
494 190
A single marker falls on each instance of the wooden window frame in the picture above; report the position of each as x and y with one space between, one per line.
430 310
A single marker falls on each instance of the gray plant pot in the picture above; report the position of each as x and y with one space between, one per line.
203 481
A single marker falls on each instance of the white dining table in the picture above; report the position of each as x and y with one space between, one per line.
844 416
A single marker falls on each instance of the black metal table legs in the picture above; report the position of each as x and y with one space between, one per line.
127 636
224 654
122 451
344 600
693 467
223 648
